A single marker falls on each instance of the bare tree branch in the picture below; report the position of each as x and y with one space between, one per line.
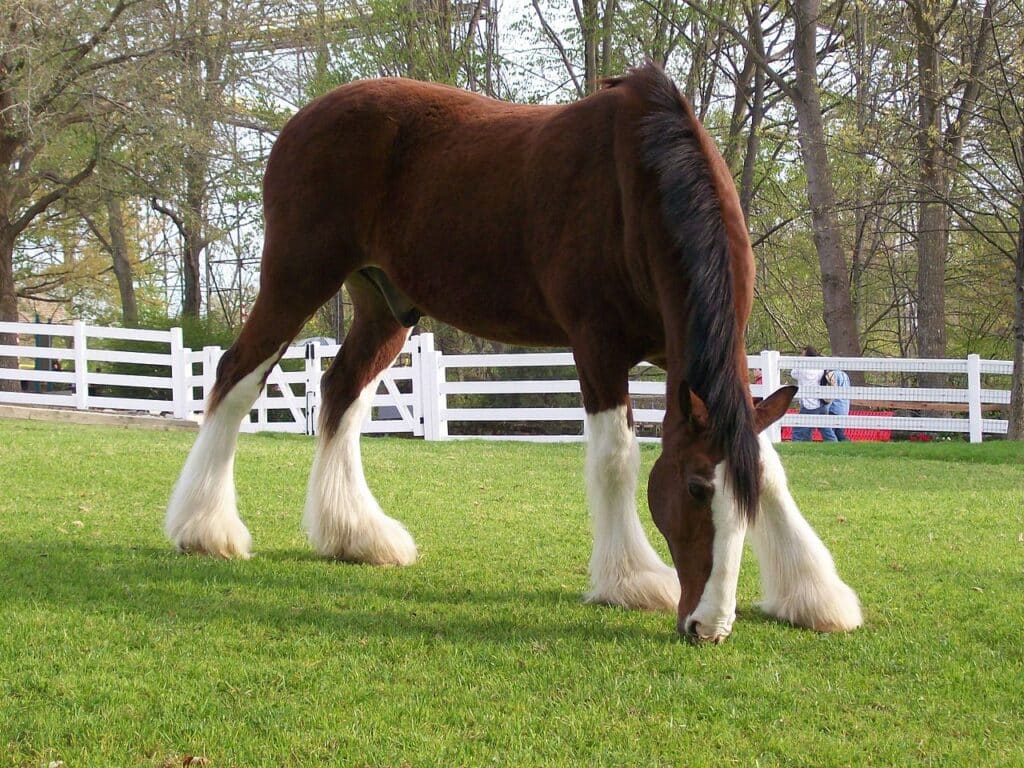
781 83
553 37
40 205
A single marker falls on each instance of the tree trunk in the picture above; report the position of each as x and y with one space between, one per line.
839 315
753 145
191 296
192 231
661 44
1015 428
698 57
859 252
8 301
741 97
607 35
122 263
933 222
756 113
590 31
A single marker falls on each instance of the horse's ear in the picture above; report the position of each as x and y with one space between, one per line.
685 404
694 412
774 407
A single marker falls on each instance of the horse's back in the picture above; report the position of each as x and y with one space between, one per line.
473 206
363 146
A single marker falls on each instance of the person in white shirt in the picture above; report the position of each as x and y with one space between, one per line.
808 377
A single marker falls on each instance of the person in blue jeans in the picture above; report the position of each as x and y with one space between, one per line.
838 407
808 377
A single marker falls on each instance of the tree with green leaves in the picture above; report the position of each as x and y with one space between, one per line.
66 74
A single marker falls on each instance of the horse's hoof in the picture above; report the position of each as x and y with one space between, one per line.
654 590
381 541
225 538
698 633
827 607
225 553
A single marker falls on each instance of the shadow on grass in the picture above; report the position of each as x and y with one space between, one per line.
293 590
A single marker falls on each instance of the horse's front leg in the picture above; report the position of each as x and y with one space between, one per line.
798 576
624 568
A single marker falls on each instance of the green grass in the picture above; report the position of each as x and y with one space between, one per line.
115 651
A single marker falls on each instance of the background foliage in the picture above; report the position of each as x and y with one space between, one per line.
881 172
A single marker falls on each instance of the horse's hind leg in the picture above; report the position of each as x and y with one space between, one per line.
798 577
342 517
624 568
202 515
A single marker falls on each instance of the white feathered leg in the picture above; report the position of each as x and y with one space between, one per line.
798 576
624 568
342 517
714 615
202 515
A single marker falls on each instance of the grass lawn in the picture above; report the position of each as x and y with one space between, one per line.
115 651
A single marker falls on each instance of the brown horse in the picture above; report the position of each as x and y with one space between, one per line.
610 225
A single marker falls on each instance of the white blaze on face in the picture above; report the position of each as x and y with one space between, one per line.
714 616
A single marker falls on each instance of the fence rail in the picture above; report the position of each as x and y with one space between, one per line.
436 396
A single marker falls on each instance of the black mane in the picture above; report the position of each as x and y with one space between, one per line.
692 212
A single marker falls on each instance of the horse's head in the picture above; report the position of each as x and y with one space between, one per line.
683 484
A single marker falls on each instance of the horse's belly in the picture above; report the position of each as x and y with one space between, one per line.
474 296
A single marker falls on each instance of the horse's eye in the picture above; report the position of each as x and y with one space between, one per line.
700 489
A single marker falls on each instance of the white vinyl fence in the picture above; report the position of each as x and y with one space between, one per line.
89 367
525 396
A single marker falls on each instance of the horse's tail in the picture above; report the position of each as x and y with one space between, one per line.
697 194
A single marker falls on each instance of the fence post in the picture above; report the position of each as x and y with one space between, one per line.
974 396
81 366
771 378
211 356
425 385
415 346
313 375
432 389
440 396
179 374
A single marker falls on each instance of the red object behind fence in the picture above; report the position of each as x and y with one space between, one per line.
855 435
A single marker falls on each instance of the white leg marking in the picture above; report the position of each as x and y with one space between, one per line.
202 515
798 576
342 517
624 568
714 615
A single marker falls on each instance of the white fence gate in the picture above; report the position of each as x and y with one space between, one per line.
290 401
436 396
